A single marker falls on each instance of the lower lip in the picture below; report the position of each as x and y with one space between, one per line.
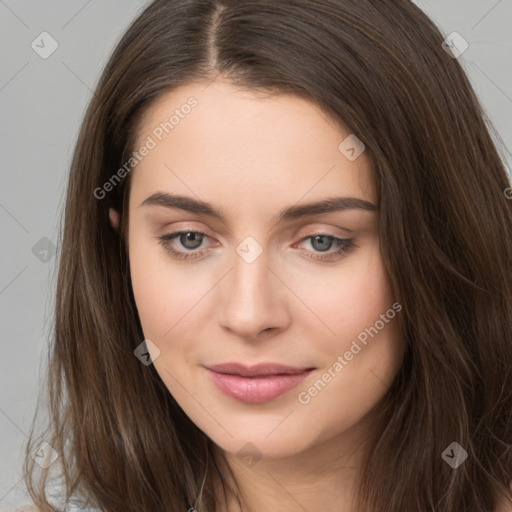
256 390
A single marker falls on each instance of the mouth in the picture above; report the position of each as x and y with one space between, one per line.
256 384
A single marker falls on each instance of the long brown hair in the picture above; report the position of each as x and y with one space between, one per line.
124 444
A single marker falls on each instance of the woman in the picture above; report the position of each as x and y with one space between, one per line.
285 271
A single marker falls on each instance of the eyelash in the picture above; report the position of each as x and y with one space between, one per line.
346 244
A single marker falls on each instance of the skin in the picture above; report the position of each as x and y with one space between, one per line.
252 155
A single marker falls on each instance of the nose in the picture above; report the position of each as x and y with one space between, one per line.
254 301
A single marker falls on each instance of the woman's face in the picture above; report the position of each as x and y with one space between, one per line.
271 278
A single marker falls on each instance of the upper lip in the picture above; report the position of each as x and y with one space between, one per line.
256 370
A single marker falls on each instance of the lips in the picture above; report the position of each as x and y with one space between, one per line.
264 369
256 384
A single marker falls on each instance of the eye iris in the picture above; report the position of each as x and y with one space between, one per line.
325 243
194 238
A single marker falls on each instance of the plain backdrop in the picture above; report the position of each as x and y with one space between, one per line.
42 102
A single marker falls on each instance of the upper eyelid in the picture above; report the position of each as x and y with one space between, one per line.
301 232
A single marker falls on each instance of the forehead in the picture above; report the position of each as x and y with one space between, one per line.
244 145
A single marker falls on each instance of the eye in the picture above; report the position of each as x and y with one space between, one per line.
323 243
189 240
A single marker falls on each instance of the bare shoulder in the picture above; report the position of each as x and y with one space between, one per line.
503 506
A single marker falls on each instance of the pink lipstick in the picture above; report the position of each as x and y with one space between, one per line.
256 384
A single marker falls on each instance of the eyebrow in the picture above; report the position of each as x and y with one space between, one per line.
331 204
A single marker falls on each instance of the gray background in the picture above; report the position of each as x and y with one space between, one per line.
42 102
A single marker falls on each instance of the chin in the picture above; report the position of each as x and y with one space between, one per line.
260 445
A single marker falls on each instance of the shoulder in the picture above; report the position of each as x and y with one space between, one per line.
503 506
33 508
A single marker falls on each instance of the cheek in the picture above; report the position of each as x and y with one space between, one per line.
151 294
359 362
360 344
166 297
168 301
348 299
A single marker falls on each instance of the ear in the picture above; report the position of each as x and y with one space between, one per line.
114 218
